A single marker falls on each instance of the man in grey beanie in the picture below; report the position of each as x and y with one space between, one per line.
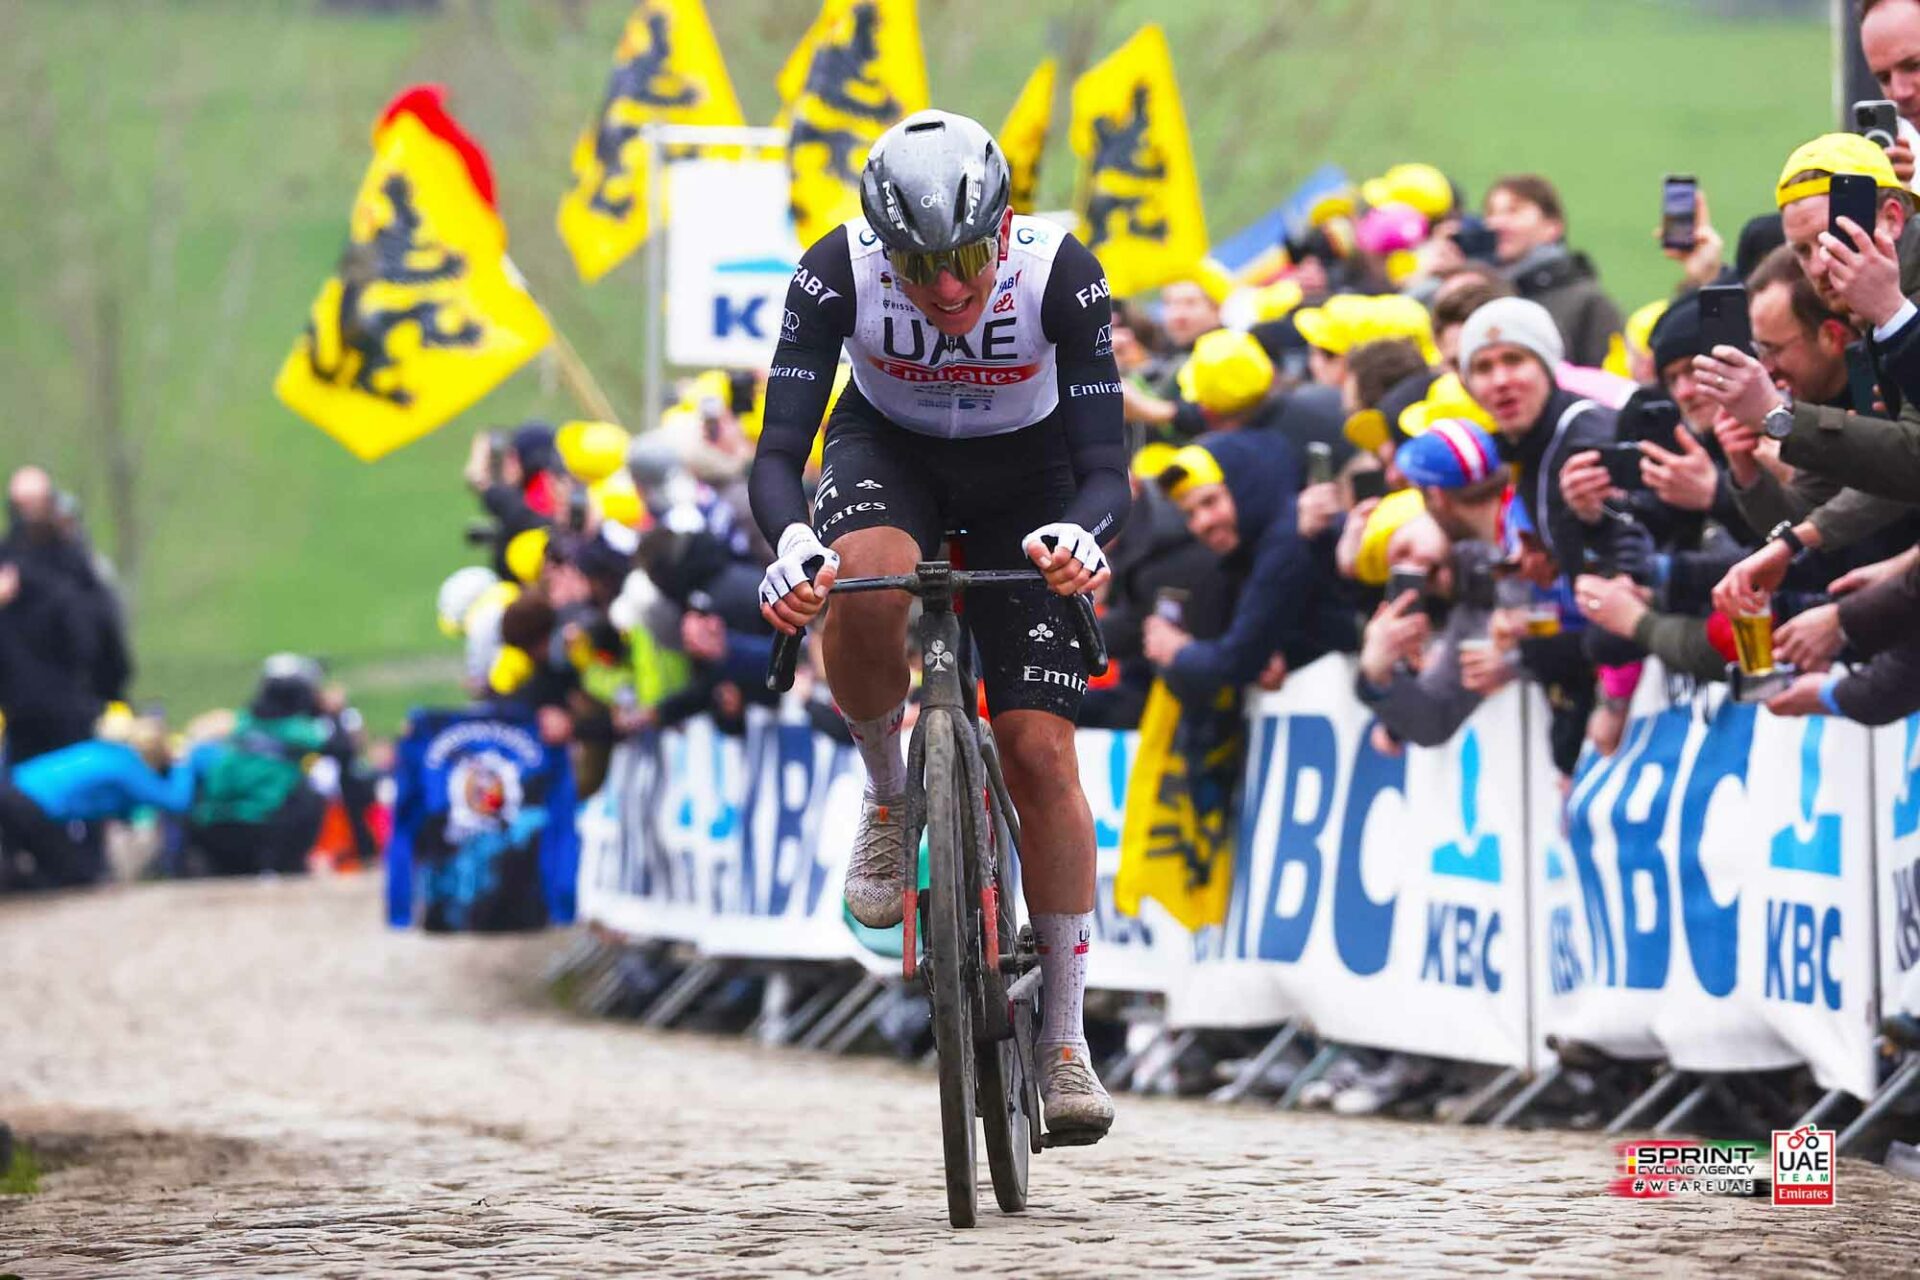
1509 349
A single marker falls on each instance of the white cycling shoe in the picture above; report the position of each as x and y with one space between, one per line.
1071 1096
874 884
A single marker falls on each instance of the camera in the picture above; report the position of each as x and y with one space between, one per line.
479 533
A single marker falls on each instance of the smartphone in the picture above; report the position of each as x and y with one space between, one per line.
1877 120
1852 195
1319 462
1679 203
1170 603
1474 239
1863 391
1405 579
1623 466
1723 314
1371 483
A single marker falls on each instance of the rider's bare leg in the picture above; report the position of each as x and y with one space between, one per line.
864 644
1056 860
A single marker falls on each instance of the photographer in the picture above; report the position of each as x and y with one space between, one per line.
1423 685
512 475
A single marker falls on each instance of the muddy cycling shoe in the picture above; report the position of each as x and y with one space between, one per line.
874 872
1076 1104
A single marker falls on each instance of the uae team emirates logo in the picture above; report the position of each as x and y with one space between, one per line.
979 375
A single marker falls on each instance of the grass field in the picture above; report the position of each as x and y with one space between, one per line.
177 176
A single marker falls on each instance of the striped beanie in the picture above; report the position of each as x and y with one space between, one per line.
1451 454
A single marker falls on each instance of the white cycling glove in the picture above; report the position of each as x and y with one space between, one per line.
798 545
1077 542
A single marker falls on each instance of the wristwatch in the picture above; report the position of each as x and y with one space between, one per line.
1778 424
1783 532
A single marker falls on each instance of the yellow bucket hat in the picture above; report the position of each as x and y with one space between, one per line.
591 451
1419 186
1228 373
526 553
1334 325
1192 467
1446 398
1394 511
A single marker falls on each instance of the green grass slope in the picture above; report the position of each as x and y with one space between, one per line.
177 177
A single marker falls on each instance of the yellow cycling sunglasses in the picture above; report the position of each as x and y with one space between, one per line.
965 261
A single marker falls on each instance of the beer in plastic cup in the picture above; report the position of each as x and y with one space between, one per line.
1543 620
1753 641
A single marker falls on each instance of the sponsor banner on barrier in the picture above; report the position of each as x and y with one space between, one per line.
735 843
1710 902
1382 897
1896 756
1148 952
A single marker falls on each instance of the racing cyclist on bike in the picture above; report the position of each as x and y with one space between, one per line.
983 397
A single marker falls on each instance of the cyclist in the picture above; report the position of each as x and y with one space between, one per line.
983 397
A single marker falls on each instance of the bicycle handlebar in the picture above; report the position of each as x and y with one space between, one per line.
1086 629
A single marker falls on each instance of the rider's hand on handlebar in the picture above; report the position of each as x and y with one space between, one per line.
1068 557
795 586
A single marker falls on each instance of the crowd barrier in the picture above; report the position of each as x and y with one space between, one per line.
1728 891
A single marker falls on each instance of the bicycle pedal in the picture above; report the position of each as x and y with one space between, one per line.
1071 1137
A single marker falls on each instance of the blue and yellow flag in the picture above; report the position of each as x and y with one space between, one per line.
1177 840
424 313
667 69
1138 194
858 69
1024 135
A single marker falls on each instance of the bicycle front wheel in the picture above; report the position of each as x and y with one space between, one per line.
948 963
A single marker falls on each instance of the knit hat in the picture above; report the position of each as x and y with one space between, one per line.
1517 322
1451 454
1678 333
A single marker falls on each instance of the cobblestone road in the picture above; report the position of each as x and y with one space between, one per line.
258 1079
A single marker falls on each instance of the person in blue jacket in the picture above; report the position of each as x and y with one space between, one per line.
1237 491
45 802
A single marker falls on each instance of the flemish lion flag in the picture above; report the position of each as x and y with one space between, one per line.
1024 136
1138 194
866 72
1177 840
424 314
667 69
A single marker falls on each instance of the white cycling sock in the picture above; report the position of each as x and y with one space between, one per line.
1062 941
881 751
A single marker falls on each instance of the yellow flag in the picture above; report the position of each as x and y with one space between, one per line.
667 69
1024 136
1138 193
1176 843
424 314
865 72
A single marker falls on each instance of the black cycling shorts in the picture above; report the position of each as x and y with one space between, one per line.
997 489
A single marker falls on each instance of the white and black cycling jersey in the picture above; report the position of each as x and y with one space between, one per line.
1042 349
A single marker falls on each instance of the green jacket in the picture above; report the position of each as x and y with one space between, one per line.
254 771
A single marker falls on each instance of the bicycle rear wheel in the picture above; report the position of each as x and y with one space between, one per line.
947 963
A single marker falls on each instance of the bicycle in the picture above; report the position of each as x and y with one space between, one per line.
983 978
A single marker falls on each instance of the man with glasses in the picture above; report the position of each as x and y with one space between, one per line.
983 397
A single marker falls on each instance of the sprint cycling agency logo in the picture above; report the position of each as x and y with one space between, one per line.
1803 1166
1661 1170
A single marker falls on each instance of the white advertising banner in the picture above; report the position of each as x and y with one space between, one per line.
1709 902
1896 757
730 252
1382 897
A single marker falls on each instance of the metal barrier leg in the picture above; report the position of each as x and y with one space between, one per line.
866 989
1683 1110
831 991
1257 1065
581 952
1116 1076
1485 1096
1896 1087
845 1038
775 996
1823 1108
1653 1096
1527 1096
1316 1067
1164 1065
687 988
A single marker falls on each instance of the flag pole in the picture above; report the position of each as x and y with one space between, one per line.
574 374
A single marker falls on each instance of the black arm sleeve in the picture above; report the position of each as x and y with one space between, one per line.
818 318
1076 314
